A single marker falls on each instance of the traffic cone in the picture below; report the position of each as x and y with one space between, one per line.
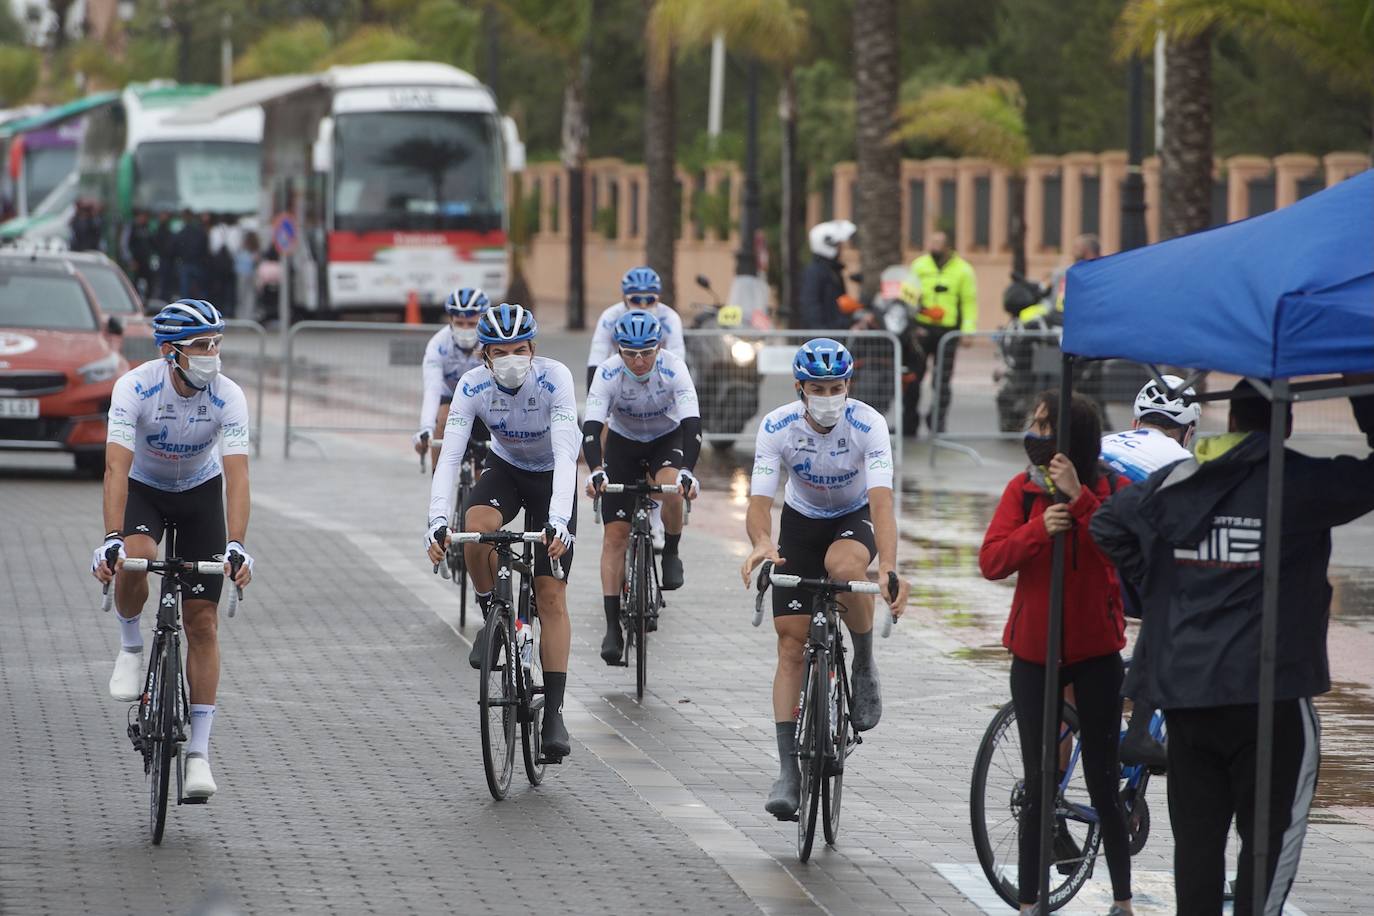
412 308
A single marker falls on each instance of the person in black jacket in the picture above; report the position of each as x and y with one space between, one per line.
822 282
1190 537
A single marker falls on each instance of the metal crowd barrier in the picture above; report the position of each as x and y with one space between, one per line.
244 356
998 374
352 376
741 374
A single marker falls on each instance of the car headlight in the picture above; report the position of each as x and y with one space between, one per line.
102 370
742 352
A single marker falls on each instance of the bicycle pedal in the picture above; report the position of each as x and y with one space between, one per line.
550 761
193 801
788 817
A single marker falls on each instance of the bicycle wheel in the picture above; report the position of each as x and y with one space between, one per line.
996 803
532 721
811 750
457 564
639 614
842 743
499 701
163 746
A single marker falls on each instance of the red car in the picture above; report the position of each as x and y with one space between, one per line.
115 295
59 359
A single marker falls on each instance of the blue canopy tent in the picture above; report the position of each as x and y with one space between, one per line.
1286 294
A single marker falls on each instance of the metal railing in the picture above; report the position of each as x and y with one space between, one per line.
241 360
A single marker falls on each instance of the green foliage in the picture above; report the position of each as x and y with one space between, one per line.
985 118
19 68
372 43
711 212
299 46
825 118
606 223
447 31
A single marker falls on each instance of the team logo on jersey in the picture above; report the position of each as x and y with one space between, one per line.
620 513
533 402
202 410
849 415
159 441
1234 541
472 391
197 589
847 533
879 464
794 605
495 502
764 470
143 528
563 415
145 393
781 423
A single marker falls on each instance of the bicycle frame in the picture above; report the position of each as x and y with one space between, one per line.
1135 776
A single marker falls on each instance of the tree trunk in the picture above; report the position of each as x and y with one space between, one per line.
1016 190
660 165
1185 162
793 202
61 11
575 160
876 80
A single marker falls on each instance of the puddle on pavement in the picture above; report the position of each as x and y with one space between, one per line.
1352 601
1347 769
994 655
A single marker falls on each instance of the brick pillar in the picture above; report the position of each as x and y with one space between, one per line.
1153 197
1036 170
1340 166
1288 170
965 171
1075 166
999 209
1241 170
1112 169
937 170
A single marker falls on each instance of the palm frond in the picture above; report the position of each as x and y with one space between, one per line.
984 118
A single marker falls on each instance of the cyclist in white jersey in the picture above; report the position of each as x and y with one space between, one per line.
1164 426
161 465
452 351
837 515
641 288
529 406
646 397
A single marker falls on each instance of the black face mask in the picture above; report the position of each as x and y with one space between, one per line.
1040 449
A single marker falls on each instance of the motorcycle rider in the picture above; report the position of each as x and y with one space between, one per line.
822 294
943 296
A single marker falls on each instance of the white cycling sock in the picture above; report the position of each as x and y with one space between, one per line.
129 636
202 718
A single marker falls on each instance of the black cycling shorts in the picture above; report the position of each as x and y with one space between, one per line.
197 513
628 461
803 541
505 487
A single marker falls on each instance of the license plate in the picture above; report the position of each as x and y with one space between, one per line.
19 408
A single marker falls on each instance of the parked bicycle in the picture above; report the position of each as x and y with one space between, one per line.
158 724
640 598
455 561
998 799
824 737
512 685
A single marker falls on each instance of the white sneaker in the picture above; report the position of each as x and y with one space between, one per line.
198 781
127 681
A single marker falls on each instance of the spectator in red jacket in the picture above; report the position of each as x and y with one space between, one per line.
1058 494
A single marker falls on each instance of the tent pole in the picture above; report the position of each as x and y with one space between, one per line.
1269 631
1049 756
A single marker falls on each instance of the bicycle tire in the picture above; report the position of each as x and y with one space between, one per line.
1002 873
163 746
640 596
458 569
811 752
832 789
499 702
532 708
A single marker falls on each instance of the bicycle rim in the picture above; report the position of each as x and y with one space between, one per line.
532 724
163 747
832 789
810 758
460 570
498 703
641 620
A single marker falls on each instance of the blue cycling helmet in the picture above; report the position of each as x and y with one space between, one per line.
641 280
637 329
186 318
468 301
506 323
822 359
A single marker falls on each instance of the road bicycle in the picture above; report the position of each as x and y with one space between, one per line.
998 799
824 736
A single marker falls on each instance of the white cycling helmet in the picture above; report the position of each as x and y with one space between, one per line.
1154 399
827 237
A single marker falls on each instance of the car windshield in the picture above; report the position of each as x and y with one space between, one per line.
436 170
207 176
45 169
110 292
41 301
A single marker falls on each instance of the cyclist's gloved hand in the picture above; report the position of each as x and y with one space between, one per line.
687 482
596 480
98 564
422 439
559 539
245 573
436 539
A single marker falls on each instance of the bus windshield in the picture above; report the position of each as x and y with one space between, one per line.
206 176
44 169
429 170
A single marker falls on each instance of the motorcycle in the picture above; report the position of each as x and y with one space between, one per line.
724 366
873 357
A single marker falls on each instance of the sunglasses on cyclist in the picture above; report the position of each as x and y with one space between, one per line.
641 298
637 354
201 345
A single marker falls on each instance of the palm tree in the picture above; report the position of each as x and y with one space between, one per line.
877 79
985 118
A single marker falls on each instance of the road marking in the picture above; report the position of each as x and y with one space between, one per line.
762 878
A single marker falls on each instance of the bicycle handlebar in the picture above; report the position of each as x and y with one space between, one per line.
502 537
200 567
641 488
235 593
424 440
768 577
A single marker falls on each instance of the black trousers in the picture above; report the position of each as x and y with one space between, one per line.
929 337
1212 757
1097 695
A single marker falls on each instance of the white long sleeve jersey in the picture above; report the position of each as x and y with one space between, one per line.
603 338
828 474
534 429
1138 453
443 366
173 438
642 411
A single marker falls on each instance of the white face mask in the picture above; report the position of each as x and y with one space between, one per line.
826 411
511 371
200 371
465 338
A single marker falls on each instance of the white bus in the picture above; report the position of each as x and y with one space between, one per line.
395 175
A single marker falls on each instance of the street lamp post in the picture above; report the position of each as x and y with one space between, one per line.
746 262
1133 191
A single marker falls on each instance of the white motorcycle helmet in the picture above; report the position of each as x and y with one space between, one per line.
827 237
1154 399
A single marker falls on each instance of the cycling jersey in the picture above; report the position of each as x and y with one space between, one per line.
603 338
534 429
828 474
642 411
173 438
1138 453
444 364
